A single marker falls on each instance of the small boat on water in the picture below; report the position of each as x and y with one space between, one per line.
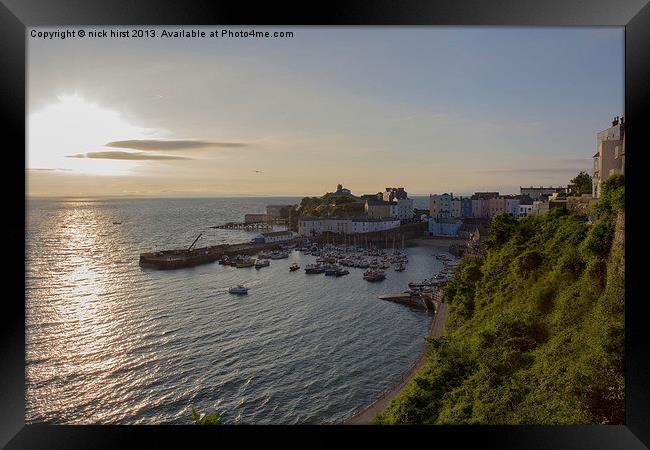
279 255
330 271
245 262
374 275
341 272
262 263
314 268
293 267
239 290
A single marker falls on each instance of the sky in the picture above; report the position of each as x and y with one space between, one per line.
432 109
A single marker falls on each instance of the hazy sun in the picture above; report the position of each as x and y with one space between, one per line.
73 125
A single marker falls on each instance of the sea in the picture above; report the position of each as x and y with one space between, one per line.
108 342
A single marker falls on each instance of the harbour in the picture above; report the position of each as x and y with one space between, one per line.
296 348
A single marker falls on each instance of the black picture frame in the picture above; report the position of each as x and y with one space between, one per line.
18 16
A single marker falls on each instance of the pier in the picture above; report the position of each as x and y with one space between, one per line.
178 259
245 226
428 300
259 225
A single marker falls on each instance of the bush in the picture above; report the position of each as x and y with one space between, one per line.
528 262
534 331
213 418
572 264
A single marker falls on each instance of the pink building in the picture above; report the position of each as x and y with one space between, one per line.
496 205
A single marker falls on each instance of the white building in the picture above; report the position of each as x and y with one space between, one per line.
440 205
455 208
404 209
370 225
525 210
539 208
310 226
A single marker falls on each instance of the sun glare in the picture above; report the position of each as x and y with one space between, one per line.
72 126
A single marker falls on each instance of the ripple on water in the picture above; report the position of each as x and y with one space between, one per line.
109 342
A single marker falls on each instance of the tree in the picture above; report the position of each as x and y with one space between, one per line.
581 184
501 227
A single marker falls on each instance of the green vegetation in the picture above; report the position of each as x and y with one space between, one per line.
214 418
535 331
581 184
342 205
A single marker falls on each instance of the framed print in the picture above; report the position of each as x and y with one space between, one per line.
269 222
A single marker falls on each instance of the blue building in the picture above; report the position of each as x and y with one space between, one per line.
466 207
443 227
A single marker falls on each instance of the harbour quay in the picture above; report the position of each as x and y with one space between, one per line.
180 258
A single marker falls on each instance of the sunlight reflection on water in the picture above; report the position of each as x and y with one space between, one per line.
109 342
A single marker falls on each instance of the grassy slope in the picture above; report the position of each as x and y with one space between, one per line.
535 331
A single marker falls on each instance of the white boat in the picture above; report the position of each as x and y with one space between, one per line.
239 289
262 263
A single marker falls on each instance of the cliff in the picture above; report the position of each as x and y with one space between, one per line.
535 330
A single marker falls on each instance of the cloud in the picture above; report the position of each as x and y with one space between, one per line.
126 156
161 145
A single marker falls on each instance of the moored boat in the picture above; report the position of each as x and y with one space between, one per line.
314 268
279 255
239 290
262 263
330 271
245 262
374 275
